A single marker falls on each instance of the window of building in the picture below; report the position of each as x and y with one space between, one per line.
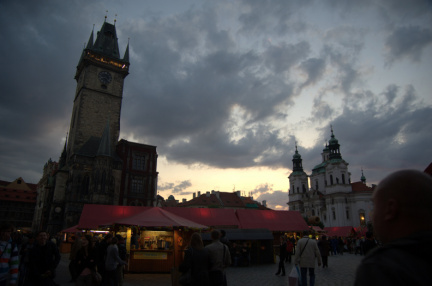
139 162
331 179
325 217
347 214
343 178
334 214
313 212
316 185
304 188
362 217
85 185
137 186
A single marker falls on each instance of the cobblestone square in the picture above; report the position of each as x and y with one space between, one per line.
341 271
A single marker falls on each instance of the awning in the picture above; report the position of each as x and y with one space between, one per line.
244 234
342 231
93 216
271 220
157 217
218 218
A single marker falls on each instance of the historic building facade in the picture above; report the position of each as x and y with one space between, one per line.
328 193
17 203
95 167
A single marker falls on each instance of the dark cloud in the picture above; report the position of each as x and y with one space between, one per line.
222 89
407 42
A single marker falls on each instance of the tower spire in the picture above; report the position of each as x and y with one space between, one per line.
297 161
126 54
363 178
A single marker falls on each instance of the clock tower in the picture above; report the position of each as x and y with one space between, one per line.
100 78
95 167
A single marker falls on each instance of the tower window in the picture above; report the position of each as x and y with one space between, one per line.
343 178
331 179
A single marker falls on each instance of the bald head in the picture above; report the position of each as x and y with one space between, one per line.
403 204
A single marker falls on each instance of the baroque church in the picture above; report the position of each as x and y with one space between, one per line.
328 193
96 167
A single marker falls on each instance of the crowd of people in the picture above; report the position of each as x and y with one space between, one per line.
32 259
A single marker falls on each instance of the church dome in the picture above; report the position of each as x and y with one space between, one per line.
171 198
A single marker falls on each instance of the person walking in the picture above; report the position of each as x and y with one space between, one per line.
44 259
220 259
123 256
307 253
282 256
402 222
324 247
85 262
9 256
112 261
197 261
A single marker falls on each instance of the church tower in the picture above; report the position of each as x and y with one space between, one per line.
298 184
100 78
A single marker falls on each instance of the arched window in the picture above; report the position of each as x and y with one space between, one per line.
331 179
304 188
95 181
103 182
343 179
85 185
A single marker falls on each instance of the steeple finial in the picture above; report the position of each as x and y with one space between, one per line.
115 19
106 15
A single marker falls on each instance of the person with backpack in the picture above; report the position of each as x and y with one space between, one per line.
307 253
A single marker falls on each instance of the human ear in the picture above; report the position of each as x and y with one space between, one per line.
391 210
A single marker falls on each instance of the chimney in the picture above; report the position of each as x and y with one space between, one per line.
264 203
193 196
212 192
199 193
184 200
217 195
208 194
238 193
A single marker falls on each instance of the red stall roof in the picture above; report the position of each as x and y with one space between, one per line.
342 231
272 220
93 216
208 216
153 217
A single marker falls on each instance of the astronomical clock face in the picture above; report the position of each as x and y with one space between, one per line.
105 77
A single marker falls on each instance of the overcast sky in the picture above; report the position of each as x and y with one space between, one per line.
225 88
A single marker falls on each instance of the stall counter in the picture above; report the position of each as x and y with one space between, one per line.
151 260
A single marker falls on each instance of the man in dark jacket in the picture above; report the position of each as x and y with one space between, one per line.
282 256
44 259
402 221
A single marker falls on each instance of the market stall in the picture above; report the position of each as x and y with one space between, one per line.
159 245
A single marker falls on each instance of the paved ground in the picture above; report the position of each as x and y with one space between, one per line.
341 272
